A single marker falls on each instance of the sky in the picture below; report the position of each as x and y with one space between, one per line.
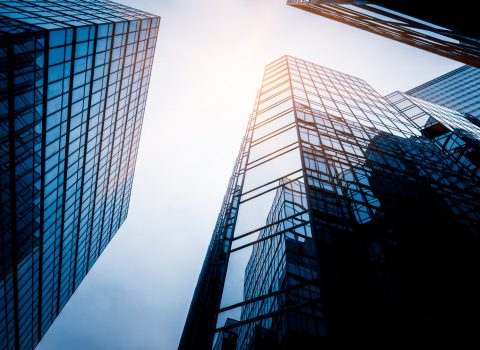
208 66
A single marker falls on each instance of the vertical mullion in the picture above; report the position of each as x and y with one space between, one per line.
87 125
65 170
42 180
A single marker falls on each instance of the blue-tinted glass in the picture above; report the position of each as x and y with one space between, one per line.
458 89
341 210
57 38
56 55
50 142
82 33
55 72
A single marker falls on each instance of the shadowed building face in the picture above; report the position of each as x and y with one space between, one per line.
74 79
341 209
441 28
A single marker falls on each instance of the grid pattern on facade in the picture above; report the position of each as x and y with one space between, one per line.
51 15
458 89
278 263
72 104
370 172
381 17
455 132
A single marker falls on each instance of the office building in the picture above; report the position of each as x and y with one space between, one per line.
341 210
293 262
458 90
455 133
442 28
74 79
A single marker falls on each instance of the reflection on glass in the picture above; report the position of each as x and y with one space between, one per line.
70 118
357 215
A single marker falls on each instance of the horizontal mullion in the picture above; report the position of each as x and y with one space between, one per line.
271 119
267 226
266 161
271 294
270 182
272 153
267 315
272 236
272 134
271 189
276 104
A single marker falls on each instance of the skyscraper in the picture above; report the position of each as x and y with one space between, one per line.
341 209
458 89
443 28
74 79
455 133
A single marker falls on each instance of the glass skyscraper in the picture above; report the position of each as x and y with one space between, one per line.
74 79
443 28
458 89
348 216
454 132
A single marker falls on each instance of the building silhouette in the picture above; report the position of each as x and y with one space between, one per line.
338 218
74 79
458 90
440 28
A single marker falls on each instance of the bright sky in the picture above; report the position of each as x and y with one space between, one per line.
208 66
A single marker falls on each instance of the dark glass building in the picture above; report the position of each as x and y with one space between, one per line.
454 132
443 28
74 79
458 89
349 216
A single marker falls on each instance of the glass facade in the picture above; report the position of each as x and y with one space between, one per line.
341 210
442 28
454 132
74 79
458 89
